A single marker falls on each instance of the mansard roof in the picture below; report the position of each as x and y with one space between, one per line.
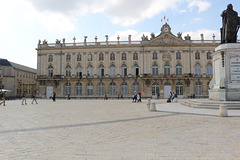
5 62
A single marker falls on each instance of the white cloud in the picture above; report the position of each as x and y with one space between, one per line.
202 5
207 34
197 19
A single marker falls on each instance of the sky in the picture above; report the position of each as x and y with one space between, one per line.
24 22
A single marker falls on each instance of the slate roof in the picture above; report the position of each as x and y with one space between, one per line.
5 62
23 68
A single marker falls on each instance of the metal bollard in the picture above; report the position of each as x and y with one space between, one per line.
223 110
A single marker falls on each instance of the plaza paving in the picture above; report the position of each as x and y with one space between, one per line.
115 130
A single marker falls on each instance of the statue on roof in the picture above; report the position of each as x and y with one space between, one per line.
230 25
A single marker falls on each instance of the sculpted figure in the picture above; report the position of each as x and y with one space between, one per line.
230 25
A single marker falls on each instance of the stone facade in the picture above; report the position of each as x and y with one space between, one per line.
161 64
17 78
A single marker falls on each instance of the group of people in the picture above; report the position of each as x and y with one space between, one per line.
172 96
136 97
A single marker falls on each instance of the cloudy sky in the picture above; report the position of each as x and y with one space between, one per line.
24 22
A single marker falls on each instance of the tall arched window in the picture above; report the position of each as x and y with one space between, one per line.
124 88
112 70
112 57
101 57
155 88
78 89
124 70
166 69
178 69
155 69
101 89
89 89
178 55
155 55
50 58
50 70
124 56
197 55
79 70
209 69
67 89
79 58
198 88
112 89
68 71
198 69
135 56
68 57
179 89
89 57
209 55
135 86
135 70
90 70
101 70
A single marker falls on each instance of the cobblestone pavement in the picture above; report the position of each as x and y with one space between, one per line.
115 130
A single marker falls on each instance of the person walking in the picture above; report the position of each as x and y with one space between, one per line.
34 96
24 98
54 97
4 98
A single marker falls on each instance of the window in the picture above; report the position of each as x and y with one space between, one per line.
135 86
50 58
78 89
135 70
79 57
166 69
89 57
68 71
101 89
155 55
209 55
179 88
112 70
178 55
155 69
79 71
112 57
50 71
178 69
101 57
198 88
124 70
68 57
90 70
67 89
197 55
135 56
124 88
198 69
89 89
112 88
209 69
155 89
101 70
124 56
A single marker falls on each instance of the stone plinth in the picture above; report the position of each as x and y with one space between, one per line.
225 84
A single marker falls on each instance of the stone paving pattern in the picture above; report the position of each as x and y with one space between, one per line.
115 130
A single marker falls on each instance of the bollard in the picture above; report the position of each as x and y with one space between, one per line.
153 107
149 100
223 110
148 106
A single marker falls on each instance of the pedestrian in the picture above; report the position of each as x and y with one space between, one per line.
24 98
138 97
68 96
173 96
34 96
4 98
158 95
135 96
105 96
54 97
140 94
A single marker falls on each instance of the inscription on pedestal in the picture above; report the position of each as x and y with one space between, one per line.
235 68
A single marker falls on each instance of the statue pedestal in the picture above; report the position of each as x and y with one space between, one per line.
225 84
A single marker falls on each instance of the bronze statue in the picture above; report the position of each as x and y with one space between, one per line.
230 25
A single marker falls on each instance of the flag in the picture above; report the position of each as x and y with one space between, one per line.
164 17
167 19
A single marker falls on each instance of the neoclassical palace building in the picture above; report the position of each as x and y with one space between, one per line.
159 64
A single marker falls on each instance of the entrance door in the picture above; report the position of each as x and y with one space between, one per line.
167 90
49 92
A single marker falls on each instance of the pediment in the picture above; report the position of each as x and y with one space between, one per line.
166 39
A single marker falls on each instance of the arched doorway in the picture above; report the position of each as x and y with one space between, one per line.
167 89
49 90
